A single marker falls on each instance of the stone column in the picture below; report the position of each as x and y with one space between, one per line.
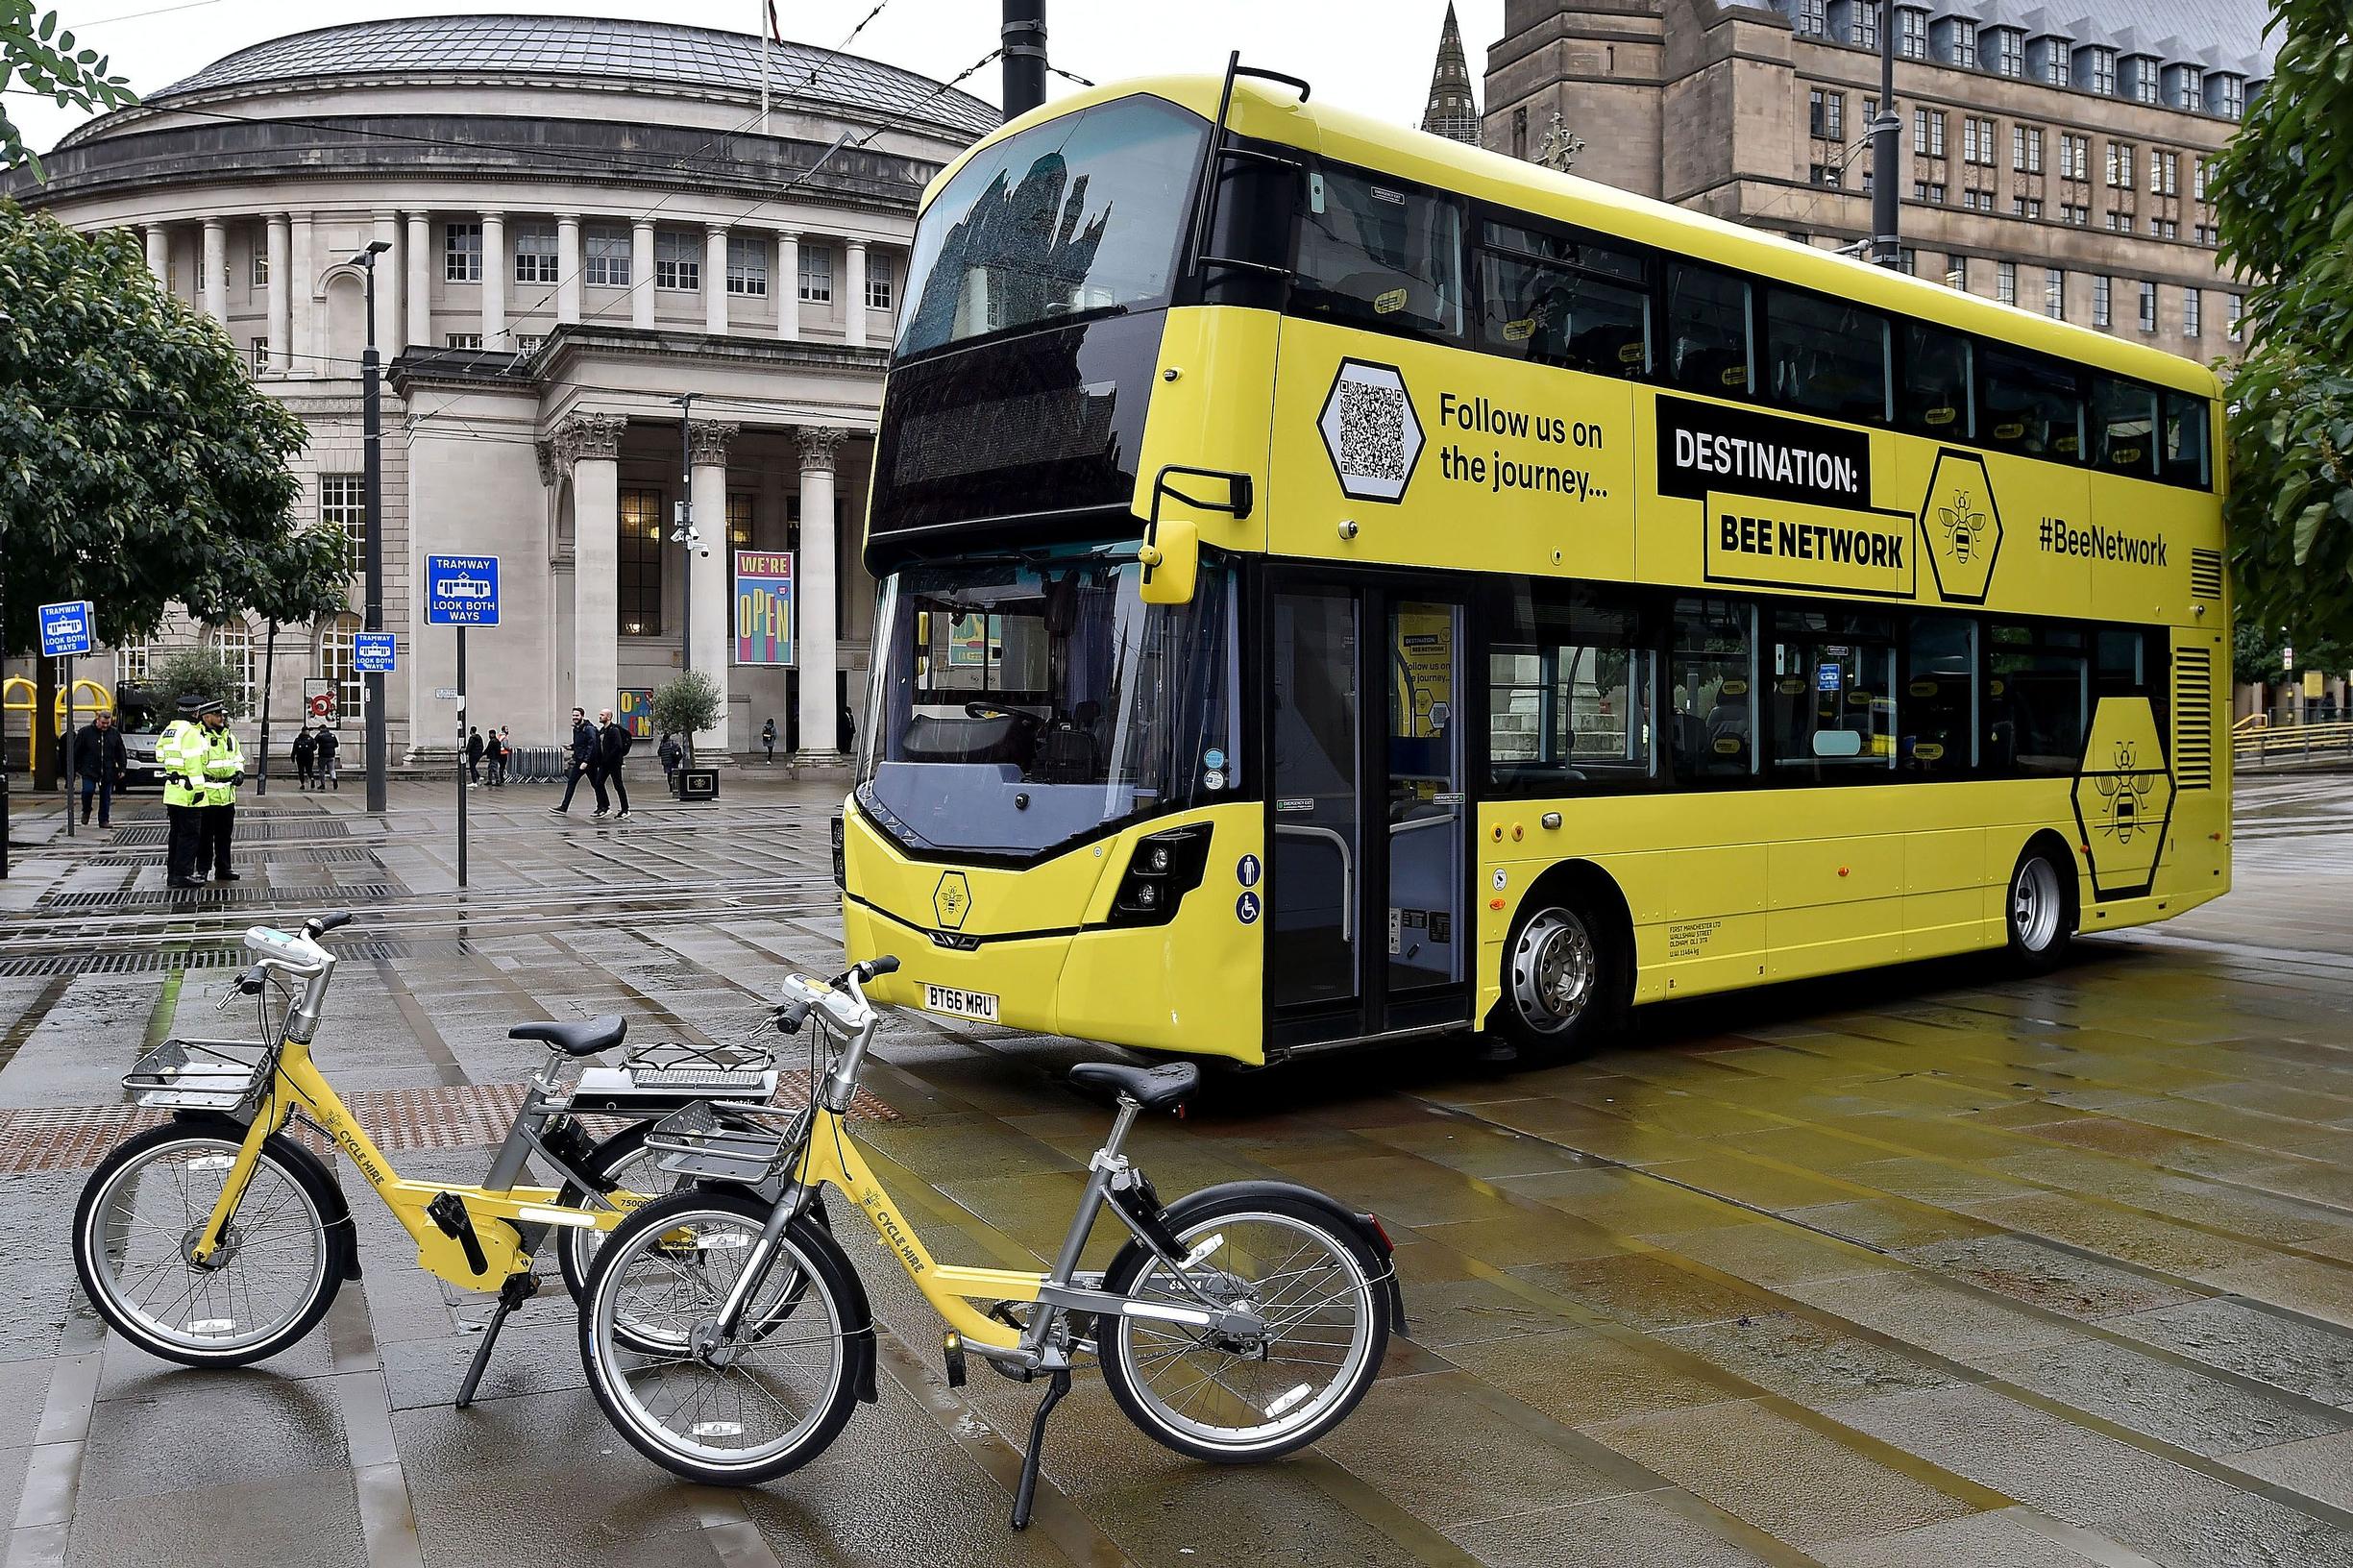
567 267
419 281
216 269
281 283
853 286
590 445
494 283
389 280
707 574
159 251
641 272
813 635
308 320
788 285
714 278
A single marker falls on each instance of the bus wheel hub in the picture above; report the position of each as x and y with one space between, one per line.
1553 970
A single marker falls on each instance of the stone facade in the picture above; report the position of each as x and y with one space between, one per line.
584 223
2033 151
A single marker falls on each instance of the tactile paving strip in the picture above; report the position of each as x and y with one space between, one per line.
458 1116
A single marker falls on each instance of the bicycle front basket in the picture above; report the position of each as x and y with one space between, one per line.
711 1146
202 1075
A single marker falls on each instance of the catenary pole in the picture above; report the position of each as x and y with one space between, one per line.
1884 129
372 500
1024 44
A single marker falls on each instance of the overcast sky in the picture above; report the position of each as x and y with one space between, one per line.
1370 54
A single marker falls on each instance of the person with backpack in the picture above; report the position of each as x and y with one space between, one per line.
767 740
583 763
473 760
502 753
322 769
613 743
671 755
305 748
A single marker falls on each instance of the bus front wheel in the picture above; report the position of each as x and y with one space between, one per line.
2041 914
1564 980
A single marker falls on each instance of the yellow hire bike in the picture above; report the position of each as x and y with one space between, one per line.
216 1238
1239 1324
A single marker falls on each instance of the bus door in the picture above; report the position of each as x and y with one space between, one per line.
1367 894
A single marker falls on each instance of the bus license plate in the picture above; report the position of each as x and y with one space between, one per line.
960 1004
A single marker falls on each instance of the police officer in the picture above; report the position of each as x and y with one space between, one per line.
224 771
181 752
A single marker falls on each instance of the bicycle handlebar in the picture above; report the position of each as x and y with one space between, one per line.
874 968
318 925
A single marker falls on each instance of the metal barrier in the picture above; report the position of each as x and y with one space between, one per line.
537 763
2282 745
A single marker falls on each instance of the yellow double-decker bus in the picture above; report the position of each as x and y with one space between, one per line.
1340 585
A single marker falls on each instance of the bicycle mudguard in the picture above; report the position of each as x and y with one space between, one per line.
1362 1225
292 1152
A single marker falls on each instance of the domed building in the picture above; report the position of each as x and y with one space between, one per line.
607 282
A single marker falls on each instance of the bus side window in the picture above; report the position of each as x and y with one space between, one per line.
1557 301
2123 426
1707 346
1381 252
1938 735
1712 717
2187 449
1825 356
1569 692
1830 694
2037 698
1935 399
2028 407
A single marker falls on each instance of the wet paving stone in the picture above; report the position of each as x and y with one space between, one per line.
2176 1404
1810 1363
1639 1531
2311 1360
2002 1539
2039 1274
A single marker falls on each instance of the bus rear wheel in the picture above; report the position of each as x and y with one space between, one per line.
1565 981
2041 916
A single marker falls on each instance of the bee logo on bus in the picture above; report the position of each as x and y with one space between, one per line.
1960 528
2124 798
952 900
2126 792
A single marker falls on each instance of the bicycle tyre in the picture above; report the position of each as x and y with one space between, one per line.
826 1280
1123 1347
331 1243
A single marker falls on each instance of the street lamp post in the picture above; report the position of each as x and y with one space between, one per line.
683 527
1884 129
372 501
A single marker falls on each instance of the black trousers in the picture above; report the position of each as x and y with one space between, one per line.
185 841
600 778
213 852
572 782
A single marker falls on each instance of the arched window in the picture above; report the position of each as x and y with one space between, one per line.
336 640
233 643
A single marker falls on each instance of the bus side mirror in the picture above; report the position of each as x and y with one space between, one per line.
1171 561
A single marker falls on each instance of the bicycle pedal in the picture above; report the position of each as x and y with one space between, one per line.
953 1349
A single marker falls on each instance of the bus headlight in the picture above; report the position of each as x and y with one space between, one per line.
1164 868
841 875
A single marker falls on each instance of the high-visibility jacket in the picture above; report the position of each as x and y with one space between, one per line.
223 763
181 752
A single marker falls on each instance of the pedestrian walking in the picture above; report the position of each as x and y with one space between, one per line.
613 743
323 774
671 755
502 752
224 771
845 730
99 758
583 760
181 752
473 760
767 740
305 755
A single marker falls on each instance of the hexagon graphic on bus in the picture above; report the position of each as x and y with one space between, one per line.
1960 528
1370 429
952 900
2124 798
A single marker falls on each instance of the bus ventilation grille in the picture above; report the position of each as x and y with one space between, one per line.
2192 719
2206 573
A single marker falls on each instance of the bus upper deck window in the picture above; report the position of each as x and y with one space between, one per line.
2188 448
1935 399
1558 301
1827 356
1707 347
1381 252
2123 426
2028 407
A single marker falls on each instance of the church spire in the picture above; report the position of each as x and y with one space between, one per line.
1453 113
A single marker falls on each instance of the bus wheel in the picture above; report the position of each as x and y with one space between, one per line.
1563 985
2040 918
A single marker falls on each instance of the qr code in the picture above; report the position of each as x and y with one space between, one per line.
1372 430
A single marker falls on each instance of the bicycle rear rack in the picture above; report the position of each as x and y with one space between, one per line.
202 1075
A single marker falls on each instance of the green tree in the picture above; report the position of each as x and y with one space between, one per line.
687 703
2284 194
197 672
37 57
140 465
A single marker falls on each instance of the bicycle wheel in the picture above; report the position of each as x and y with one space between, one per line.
626 1175
1288 1260
268 1285
757 1406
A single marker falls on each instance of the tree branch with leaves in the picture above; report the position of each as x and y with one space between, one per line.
38 55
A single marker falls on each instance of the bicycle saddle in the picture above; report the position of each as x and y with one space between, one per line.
1152 1087
580 1036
